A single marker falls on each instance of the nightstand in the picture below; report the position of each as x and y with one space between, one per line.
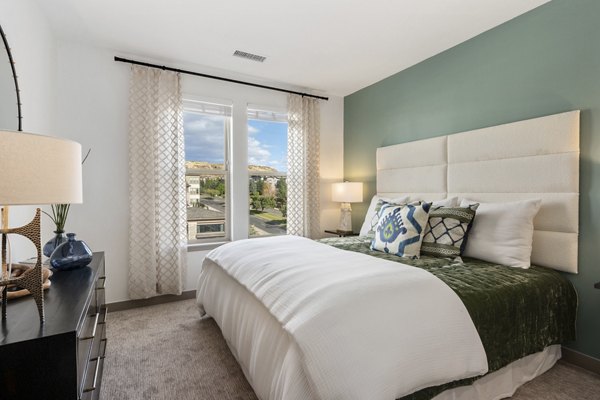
341 233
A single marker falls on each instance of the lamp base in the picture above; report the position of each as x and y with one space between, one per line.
31 279
345 218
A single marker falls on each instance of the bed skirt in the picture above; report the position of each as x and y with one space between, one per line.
504 382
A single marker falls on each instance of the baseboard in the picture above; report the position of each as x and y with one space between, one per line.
152 301
581 360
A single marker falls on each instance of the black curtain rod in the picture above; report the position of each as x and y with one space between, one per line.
183 71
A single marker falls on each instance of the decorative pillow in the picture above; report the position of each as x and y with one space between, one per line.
371 219
447 230
502 233
400 229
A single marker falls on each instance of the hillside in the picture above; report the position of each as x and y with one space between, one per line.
207 165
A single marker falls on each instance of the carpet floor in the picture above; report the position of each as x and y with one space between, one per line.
166 352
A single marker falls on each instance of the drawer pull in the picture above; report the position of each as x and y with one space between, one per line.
95 381
103 279
93 335
105 316
105 340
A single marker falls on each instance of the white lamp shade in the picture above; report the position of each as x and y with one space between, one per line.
36 169
347 192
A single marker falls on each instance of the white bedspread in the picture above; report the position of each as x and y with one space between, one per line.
365 328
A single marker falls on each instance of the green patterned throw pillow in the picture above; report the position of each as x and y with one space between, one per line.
447 230
400 229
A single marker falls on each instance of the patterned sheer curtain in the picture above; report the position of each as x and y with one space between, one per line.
303 214
157 226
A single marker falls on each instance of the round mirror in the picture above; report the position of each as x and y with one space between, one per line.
10 104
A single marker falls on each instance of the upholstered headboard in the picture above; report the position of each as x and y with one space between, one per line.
536 158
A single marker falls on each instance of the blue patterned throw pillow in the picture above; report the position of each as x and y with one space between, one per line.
380 204
400 229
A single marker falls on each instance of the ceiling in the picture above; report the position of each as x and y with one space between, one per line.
332 46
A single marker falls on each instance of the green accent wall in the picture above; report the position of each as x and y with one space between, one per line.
543 62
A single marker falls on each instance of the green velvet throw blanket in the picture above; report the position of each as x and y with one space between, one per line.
516 311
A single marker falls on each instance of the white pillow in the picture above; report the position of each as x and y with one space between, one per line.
449 202
371 218
502 233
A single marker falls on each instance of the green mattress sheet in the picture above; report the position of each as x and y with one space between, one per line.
516 311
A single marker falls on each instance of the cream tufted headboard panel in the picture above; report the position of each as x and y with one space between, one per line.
536 158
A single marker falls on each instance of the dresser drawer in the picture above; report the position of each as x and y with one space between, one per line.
95 393
100 296
93 377
85 342
91 345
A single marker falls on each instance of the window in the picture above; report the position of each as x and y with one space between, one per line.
206 129
267 171
209 228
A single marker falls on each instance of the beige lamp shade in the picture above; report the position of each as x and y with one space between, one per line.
347 192
36 169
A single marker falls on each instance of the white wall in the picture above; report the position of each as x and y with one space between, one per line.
33 49
8 95
79 92
91 108
332 158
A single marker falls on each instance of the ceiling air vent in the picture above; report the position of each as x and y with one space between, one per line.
249 56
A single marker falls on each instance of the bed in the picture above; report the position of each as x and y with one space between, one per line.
334 319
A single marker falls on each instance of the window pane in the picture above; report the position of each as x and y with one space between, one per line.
206 206
204 138
267 170
206 176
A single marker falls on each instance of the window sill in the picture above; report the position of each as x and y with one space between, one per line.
204 246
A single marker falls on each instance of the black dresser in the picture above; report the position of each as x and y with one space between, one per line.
63 358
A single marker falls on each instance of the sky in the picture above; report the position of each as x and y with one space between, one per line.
204 140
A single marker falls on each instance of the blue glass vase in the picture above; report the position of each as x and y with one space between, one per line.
53 243
71 254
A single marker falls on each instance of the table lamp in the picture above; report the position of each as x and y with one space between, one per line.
346 193
34 169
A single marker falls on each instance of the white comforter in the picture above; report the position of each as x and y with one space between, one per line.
366 328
